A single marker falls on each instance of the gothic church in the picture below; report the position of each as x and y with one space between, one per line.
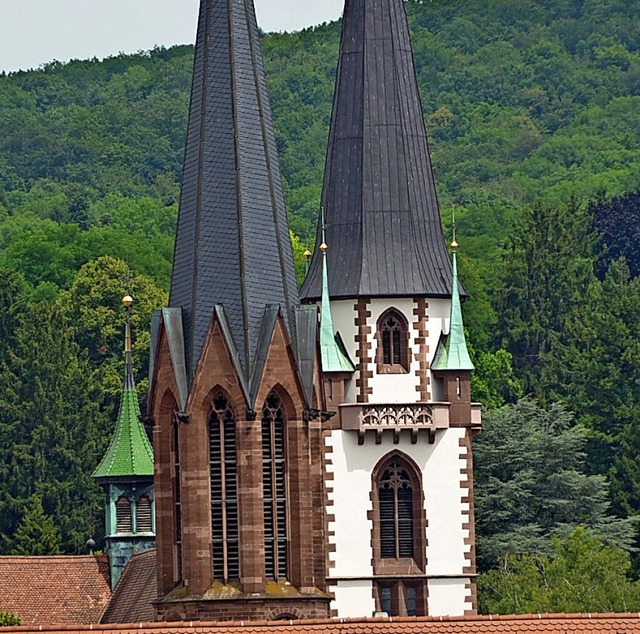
313 449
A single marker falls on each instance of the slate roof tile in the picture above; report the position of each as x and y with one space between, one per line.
381 209
232 243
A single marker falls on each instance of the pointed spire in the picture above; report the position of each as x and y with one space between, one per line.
130 453
452 353
334 357
232 244
382 215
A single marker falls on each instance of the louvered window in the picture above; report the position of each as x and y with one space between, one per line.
143 515
395 500
274 488
177 516
123 515
393 337
224 491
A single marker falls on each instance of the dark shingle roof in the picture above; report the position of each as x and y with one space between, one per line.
46 590
232 244
132 598
382 216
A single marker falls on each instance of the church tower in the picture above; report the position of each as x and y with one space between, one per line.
126 473
236 390
399 497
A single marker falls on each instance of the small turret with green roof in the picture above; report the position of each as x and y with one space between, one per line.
452 352
126 472
334 356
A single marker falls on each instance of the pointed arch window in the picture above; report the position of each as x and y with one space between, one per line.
399 537
177 505
392 335
274 488
123 515
224 490
395 496
143 515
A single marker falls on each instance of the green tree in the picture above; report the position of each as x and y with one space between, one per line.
531 483
52 430
581 574
37 533
548 273
7 619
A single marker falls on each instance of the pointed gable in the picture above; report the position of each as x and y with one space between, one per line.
382 216
232 245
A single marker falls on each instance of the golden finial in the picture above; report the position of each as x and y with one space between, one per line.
307 254
454 245
127 300
323 247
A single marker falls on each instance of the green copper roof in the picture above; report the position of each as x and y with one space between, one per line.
130 452
334 357
452 353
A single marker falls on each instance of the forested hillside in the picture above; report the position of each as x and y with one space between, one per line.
532 109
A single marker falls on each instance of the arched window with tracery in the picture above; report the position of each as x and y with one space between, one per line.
274 487
392 335
123 515
177 504
224 490
395 498
399 537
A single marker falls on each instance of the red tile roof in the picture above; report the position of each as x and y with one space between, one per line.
136 589
545 623
45 590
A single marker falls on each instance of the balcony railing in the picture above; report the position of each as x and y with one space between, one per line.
397 417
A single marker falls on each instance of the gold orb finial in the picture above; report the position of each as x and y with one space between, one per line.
454 245
323 246
307 254
127 300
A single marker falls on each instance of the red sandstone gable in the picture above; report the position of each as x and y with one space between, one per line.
45 590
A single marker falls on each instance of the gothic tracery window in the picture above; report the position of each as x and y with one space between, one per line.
177 505
393 342
224 491
274 488
395 499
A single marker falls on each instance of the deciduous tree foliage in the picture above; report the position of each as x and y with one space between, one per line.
581 574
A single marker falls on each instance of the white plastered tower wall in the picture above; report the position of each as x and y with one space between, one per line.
444 465
390 388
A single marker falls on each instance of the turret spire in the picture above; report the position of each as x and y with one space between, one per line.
232 245
130 453
379 195
452 353
334 357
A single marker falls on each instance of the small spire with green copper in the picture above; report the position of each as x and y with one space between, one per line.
334 357
130 452
452 353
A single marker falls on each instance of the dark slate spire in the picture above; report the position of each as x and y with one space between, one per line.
382 216
232 245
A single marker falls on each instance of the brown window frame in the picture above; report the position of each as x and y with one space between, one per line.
177 504
398 591
275 488
399 564
223 472
392 351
